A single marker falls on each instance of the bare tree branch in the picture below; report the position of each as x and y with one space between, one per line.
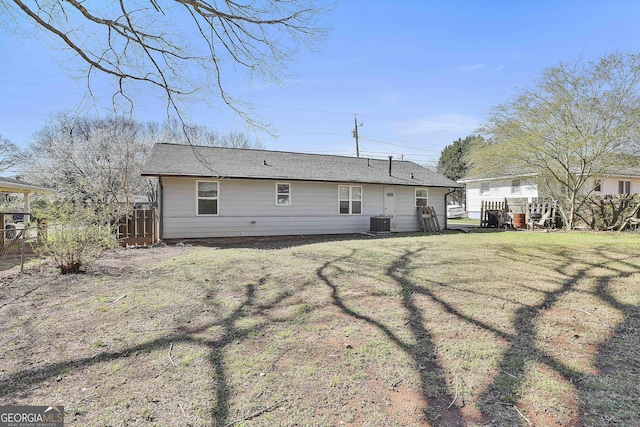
184 50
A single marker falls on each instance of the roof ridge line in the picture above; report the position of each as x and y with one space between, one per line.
278 151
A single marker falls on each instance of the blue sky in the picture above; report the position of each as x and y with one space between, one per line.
417 74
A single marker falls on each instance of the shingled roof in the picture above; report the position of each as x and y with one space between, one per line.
216 162
12 185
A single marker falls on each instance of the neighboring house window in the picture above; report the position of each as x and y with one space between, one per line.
207 195
283 194
515 187
624 187
486 189
350 199
422 197
598 187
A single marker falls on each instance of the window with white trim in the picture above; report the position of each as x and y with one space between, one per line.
350 200
422 197
283 194
207 197
486 189
598 187
516 188
624 187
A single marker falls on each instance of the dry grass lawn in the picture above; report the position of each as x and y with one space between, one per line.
500 329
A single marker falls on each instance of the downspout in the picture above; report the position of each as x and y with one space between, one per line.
161 207
446 223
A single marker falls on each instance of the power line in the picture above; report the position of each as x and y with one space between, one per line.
398 145
395 139
418 121
311 133
384 153
278 107
23 114
303 109
39 84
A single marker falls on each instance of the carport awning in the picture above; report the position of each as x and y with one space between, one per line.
10 185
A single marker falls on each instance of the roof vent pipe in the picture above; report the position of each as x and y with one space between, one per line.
390 158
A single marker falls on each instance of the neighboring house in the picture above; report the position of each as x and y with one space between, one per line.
12 186
136 201
524 186
219 192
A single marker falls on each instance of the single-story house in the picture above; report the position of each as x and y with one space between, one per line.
496 189
220 192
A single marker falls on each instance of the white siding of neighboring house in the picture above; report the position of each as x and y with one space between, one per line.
498 191
247 208
610 185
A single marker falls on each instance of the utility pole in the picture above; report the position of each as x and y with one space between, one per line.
355 134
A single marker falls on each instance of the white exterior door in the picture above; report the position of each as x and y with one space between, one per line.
390 205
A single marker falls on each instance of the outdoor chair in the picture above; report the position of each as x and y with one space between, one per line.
542 222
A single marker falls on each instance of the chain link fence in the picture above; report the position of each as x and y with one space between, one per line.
18 239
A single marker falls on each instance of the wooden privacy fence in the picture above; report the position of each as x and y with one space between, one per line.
493 214
516 213
542 209
139 228
428 219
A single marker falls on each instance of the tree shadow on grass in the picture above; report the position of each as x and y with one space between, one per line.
524 349
611 396
231 332
432 378
500 401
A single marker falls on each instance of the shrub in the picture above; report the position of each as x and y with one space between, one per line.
73 236
608 212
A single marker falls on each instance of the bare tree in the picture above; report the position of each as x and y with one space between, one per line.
94 161
239 140
9 154
172 131
182 49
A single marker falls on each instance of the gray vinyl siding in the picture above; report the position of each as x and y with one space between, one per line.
248 208
406 215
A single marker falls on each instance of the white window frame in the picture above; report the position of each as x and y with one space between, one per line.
626 187
217 198
516 186
485 189
288 194
597 188
351 199
421 197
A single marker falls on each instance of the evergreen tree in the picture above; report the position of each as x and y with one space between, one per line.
453 163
